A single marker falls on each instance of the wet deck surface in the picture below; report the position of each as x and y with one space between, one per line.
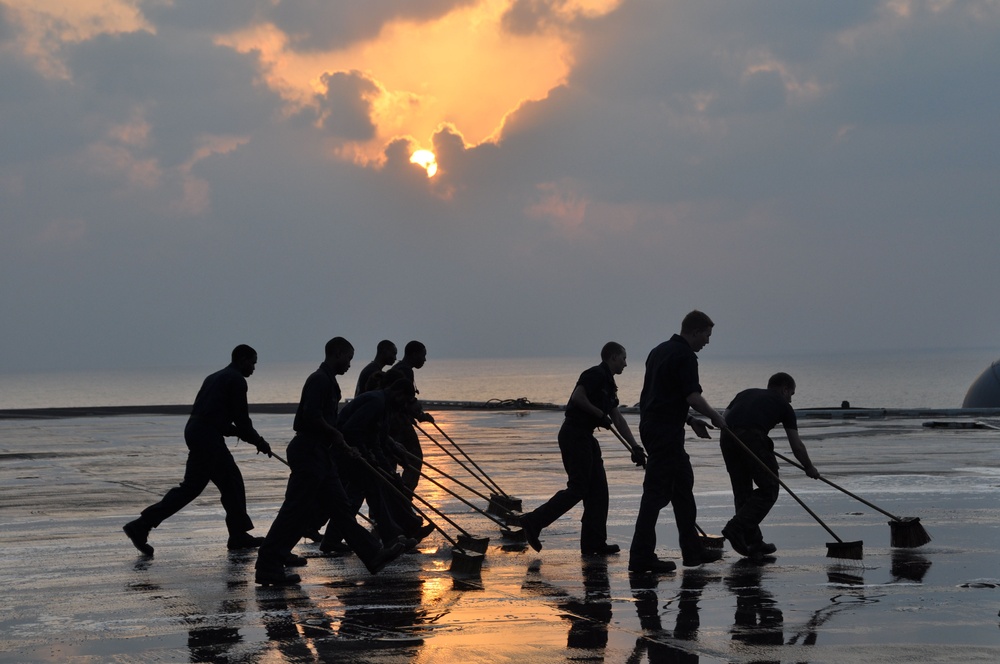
72 588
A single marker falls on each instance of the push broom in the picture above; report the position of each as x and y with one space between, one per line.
905 532
711 541
462 561
840 548
500 501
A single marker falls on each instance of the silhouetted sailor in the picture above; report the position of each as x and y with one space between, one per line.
385 355
219 410
314 486
593 404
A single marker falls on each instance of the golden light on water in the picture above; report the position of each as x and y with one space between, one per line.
427 160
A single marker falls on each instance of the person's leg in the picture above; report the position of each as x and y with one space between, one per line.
226 475
753 504
594 522
685 509
197 473
578 460
657 491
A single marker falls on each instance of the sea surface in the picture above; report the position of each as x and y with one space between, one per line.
899 379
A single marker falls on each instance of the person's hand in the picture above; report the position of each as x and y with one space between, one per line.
812 472
639 456
264 448
351 452
425 417
700 427
605 422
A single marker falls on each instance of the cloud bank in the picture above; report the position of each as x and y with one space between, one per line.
179 177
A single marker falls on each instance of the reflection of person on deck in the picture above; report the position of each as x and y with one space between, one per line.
757 619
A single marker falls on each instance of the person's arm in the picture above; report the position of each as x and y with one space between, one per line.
638 452
698 402
799 450
242 424
580 400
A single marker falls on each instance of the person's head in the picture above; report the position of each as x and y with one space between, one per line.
339 352
385 352
415 354
697 329
244 358
783 384
400 393
613 354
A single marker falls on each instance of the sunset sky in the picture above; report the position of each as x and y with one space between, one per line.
177 177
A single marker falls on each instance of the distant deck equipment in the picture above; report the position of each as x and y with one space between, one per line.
985 390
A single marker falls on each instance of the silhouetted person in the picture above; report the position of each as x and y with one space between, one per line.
593 404
385 355
751 416
670 388
365 423
401 429
314 486
219 410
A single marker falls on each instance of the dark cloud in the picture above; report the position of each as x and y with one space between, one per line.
321 25
346 106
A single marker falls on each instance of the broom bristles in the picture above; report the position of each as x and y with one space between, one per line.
907 533
712 541
845 550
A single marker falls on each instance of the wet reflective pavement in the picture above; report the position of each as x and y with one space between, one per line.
74 590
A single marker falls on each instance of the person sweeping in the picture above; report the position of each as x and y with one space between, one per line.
750 418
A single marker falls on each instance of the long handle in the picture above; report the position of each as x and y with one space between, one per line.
429 506
465 486
621 438
840 488
444 449
449 439
783 485
461 498
402 495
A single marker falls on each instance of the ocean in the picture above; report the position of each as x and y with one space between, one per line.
876 379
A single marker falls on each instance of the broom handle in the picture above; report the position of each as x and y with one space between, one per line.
402 495
456 459
840 488
430 507
442 473
459 497
449 439
783 485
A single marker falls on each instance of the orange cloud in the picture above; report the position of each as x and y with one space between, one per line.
462 69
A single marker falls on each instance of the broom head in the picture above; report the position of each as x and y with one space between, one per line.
907 533
466 562
473 543
845 550
712 541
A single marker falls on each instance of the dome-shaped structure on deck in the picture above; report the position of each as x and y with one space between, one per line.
985 390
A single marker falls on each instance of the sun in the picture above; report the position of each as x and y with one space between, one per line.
427 160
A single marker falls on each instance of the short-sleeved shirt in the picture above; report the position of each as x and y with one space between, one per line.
320 400
222 401
671 376
761 409
599 385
